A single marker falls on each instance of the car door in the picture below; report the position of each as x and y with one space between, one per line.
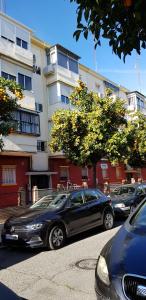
76 213
94 202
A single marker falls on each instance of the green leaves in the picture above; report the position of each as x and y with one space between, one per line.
124 27
10 93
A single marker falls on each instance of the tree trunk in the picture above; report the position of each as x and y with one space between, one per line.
94 175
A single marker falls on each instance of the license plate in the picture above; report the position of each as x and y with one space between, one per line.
11 236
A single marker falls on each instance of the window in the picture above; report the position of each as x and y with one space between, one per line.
91 195
7 31
140 103
25 82
39 107
41 146
8 76
105 173
67 62
73 65
64 99
8 174
62 60
76 199
27 122
118 172
21 43
63 173
84 173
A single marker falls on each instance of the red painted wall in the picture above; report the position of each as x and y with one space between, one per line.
9 193
75 175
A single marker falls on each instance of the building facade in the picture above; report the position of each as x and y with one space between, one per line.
48 75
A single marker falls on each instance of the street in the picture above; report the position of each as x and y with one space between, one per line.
66 274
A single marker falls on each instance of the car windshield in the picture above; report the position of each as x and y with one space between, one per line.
123 190
50 201
139 219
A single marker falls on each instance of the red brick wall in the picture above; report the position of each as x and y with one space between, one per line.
9 193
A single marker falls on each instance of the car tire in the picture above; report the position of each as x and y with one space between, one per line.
108 220
56 237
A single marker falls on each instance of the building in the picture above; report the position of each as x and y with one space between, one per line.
24 161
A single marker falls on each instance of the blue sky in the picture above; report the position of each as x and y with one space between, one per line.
55 21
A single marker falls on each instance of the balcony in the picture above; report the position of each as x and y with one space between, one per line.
13 51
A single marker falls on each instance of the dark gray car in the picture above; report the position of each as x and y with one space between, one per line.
126 197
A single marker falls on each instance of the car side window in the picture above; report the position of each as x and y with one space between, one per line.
91 195
139 191
76 199
144 188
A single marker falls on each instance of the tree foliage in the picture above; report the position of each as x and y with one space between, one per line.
122 22
10 93
95 129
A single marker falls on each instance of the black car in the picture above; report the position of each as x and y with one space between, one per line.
126 197
121 267
7 294
54 217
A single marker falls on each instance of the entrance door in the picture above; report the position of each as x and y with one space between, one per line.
41 181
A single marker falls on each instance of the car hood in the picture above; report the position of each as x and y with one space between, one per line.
31 215
127 252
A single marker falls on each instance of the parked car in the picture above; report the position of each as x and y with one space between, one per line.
126 197
55 217
7 294
121 267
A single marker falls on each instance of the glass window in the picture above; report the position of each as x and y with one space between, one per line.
64 173
28 85
25 82
62 60
41 146
21 80
73 65
24 44
27 122
91 195
77 199
8 175
64 99
105 173
8 76
84 173
18 41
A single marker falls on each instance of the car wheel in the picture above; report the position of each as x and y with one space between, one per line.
56 237
108 220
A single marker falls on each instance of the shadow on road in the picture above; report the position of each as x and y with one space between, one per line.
91 233
12 256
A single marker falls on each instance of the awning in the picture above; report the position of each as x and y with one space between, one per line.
40 173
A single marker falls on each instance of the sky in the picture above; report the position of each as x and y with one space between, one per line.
54 21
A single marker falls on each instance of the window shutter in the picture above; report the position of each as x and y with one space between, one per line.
8 30
22 34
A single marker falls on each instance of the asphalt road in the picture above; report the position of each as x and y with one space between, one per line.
66 274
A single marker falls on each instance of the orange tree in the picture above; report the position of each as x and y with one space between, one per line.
122 22
98 128
10 93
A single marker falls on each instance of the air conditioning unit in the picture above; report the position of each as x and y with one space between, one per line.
49 70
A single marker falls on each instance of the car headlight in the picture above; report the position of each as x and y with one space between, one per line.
102 270
34 226
120 205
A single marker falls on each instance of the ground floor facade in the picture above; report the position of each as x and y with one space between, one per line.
17 179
